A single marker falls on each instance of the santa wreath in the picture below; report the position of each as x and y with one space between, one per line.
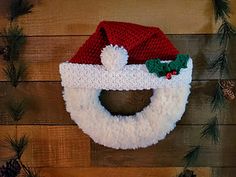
125 56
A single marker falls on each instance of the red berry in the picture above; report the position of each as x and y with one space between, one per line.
174 72
168 75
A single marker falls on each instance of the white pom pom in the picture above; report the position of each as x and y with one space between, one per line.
114 57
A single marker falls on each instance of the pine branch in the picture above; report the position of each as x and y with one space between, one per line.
192 155
30 172
226 32
16 109
15 74
211 130
218 98
220 63
14 40
18 145
222 9
19 8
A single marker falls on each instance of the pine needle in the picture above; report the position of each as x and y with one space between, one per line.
220 64
211 130
31 173
16 109
19 8
222 9
18 145
192 155
226 32
218 99
14 39
14 74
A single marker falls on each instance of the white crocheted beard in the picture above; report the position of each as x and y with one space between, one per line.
83 84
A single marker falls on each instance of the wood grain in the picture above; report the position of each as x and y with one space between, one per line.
43 55
67 146
170 151
56 146
46 105
118 172
81 17
43 99
55 30
224 172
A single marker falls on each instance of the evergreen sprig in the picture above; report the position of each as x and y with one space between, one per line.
222 9
226 32
18 145
19 8
14 166
211 130
218 99
220 63
14 73
192 155
14 40
16 109
30 172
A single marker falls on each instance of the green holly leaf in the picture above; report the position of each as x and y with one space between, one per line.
162 68
150 64
172 65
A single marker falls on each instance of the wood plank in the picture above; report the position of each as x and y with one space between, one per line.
67 146
5 152
164 153
43 55
43 99
46 105
56 146
118 172
81 17
224 172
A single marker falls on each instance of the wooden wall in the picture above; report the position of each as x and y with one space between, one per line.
55 30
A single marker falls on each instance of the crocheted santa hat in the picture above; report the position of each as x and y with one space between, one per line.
113 59
141 42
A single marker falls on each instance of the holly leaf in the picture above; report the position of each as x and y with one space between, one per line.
173 65
162 68
150 66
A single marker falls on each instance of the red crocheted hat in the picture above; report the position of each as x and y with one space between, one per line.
141 42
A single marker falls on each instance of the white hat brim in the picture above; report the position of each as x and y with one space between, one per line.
131 77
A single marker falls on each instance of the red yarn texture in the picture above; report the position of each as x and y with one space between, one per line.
141 42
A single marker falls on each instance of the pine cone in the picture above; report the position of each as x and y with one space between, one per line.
228 94
227 84
12 168
187 173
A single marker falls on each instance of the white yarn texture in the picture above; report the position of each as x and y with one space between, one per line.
131 77
145 128
127 132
